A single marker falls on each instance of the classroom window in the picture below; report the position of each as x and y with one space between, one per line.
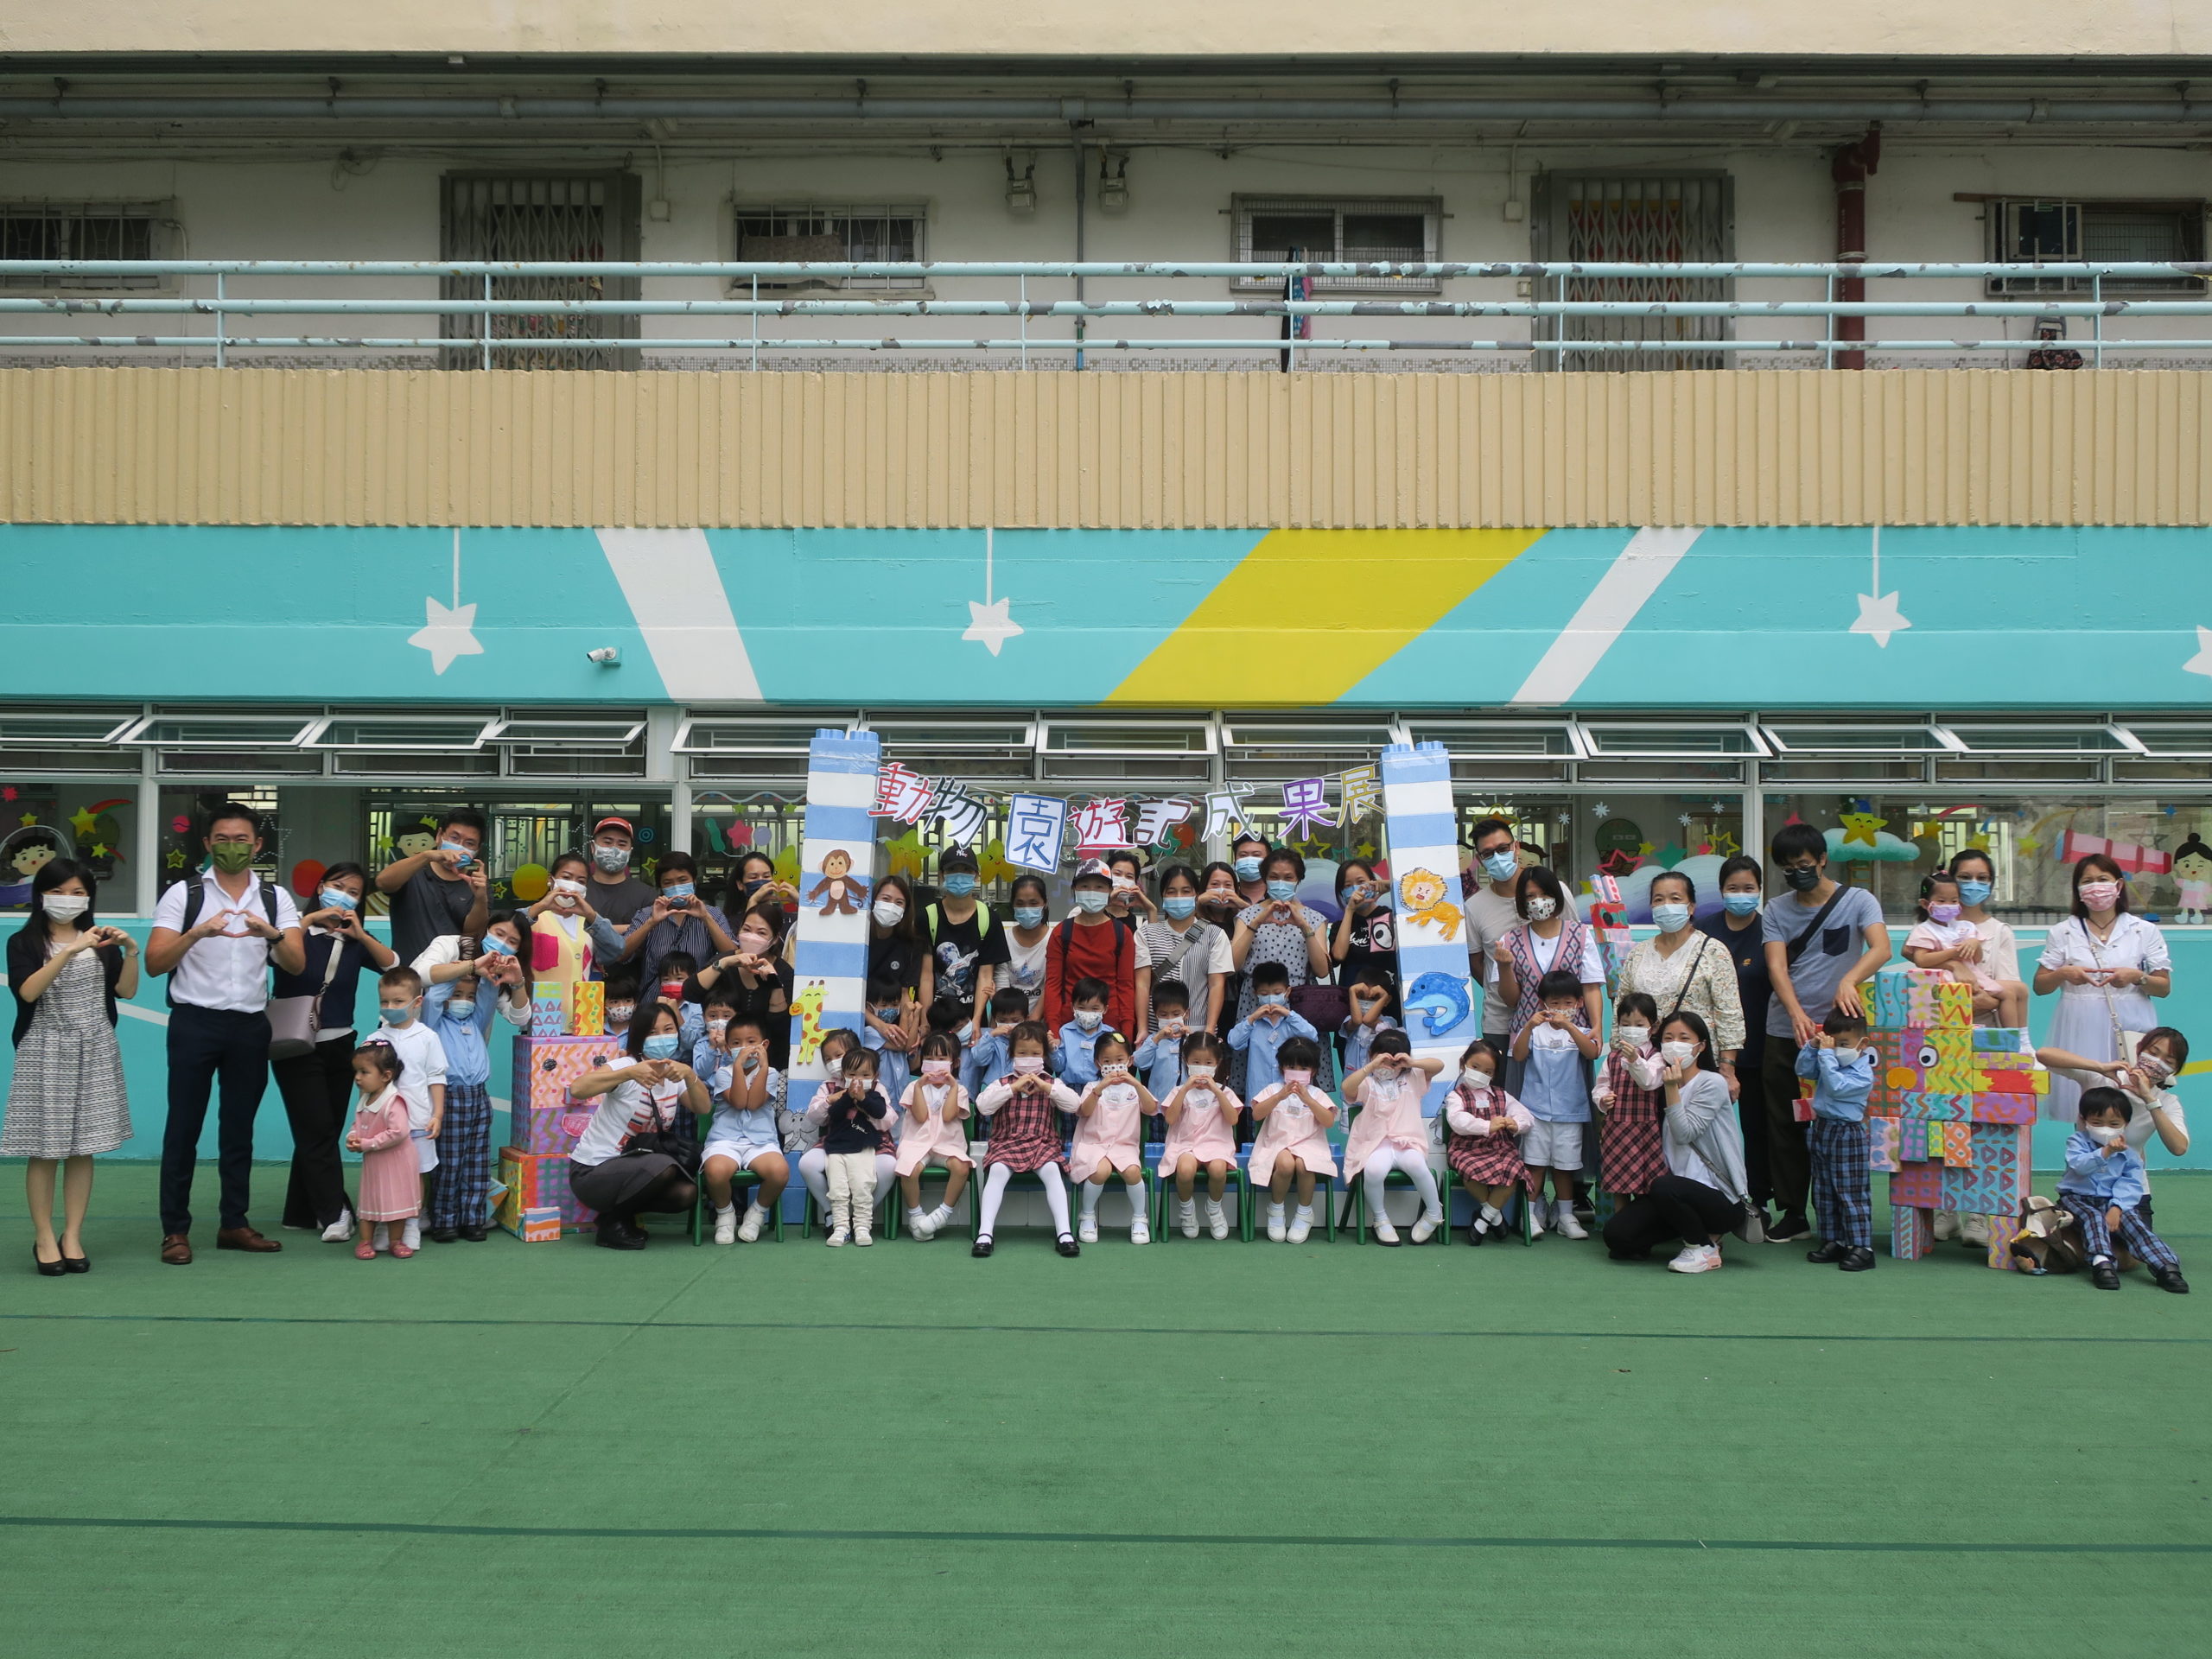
1339 229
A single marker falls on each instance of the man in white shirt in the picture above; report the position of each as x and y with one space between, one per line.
215 934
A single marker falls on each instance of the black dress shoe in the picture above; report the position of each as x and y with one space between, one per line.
442 1235
84 1264
618 1237
1788 1229
472 1235
2105 1276
1065 1245
2170 1279
47 1270
981 1247
1834 1250
1857 1259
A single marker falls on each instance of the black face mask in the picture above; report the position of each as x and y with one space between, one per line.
1802 880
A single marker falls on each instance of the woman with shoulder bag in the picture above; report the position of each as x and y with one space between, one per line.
1181 946
311 1056
1684 969
631 1158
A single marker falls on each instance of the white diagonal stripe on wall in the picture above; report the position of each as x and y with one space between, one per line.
1631 579
676 597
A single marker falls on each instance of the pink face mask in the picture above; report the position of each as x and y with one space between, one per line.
1298 1077
1029 1065
936 1071
1943 915
2099 895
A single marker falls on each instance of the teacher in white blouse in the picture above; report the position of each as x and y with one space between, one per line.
1684 970
2107 964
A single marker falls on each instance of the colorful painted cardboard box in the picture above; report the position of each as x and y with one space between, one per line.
1952 1116
546 1118
538 1188
587 1008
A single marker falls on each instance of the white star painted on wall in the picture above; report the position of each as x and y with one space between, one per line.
1879 615
447 630
2202 662
989 625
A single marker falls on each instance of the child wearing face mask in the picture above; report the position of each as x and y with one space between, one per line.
801 1135
882 1033
1075 1059
1486 1126
1159 1058
1261 1037
1390 1132
1023 1109
1368 995
1554 1050
621 1000
421 1075
1948 940
1200 1112
2104 1189
1109 1137
1842 1067
732 1060
1630 1155
934 1106
987 1058
1292 1141
854 1119
458 1013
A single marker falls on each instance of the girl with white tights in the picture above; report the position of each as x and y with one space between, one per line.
814 1163
1390 1132
1023 1110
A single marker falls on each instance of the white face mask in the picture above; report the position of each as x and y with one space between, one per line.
889 911
64 907
1475 1077
1201 1070
2104 1135
566 891
1678 1053
1633 1036
1542 907
1846 1051
1088 1019
753 943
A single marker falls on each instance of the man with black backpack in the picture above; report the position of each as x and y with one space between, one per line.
215 936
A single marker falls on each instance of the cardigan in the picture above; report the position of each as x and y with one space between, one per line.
27 955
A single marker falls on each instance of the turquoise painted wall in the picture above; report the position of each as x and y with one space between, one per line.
140 1032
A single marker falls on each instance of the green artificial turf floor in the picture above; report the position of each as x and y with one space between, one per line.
1189 1448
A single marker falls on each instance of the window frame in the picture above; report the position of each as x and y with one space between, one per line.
1244 204
921 209
159 213
1998 212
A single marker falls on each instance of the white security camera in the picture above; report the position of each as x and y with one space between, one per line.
605 657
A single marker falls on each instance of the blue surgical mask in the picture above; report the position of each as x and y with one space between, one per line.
677 890
1178 906
959 885
1090 899
1741 904
399 1016
1974 892
467 857
494 945
462 1007
1499 867
339 899
1028 915
1670 919
661 1045
1248 869
1282 889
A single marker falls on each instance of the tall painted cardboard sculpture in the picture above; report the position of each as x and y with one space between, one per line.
1953 1111
1423 831
836 887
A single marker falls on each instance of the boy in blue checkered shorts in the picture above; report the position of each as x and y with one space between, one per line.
2104 1187
1842 1067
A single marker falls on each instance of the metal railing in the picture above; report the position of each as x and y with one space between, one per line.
535 324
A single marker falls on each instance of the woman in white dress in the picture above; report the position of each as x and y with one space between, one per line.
2106 963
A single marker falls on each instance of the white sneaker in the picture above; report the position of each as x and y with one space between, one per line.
1974 1229
412 1237
862 1237
939 1219
1696 1258
749 1232
1535 1221
1384 1232
919 1224
726 1225
340 1230
839 1235
1274 1223
1947 1225
1217 1221
1086 1230
1566 1226
1186 1216
1302 1223
1425 1229
1140 1231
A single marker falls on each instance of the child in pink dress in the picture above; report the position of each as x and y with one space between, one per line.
1486 1125
1293 1140
1201 1115
1109 1137
1945 940
936 1106
1390 1132
1630 1155
391 1186
1023 1109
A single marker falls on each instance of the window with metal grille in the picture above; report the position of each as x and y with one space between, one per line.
84 230
553 217
2022 231
830 232
1399 230
1645 219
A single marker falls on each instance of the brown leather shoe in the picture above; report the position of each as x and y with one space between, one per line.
245 1238
176 1250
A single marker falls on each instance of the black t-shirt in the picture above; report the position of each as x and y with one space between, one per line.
618 901
1373 942
427 908
336 1011
1746 948
755 1002
960 948
899 959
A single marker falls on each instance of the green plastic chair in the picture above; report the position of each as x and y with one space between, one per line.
891 1225
1356 1193
1518 1206
1236 1190
1256 1194
743 1180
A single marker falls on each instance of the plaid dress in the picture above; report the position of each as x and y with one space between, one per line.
1026 1135
1629 1154
1486 1159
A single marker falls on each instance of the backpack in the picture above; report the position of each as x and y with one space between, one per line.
195 900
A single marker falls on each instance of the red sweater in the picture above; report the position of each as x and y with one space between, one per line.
1075 953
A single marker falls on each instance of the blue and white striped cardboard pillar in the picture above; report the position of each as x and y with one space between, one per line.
836 886
1422 833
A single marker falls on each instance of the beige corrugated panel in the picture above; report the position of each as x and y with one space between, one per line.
1349 451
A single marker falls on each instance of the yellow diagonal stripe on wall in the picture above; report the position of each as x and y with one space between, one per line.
1308 615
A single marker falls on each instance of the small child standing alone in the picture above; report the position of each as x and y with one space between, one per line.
2103 1189
1555 1049
1842 1070
391 1187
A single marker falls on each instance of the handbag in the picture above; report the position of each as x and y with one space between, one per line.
2124 1043
293 1021
1324 1007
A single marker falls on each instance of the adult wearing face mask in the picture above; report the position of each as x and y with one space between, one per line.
569 940
679 921
1681 967
1279 929
443 889
1089 944
1548 935
967 948
1027 932
1179 946
897 953
1247 856
630 1159
1702 1197
1220 902
2106 963
615 894
1993 948
1739 929
318 1087
756 978
1491 913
